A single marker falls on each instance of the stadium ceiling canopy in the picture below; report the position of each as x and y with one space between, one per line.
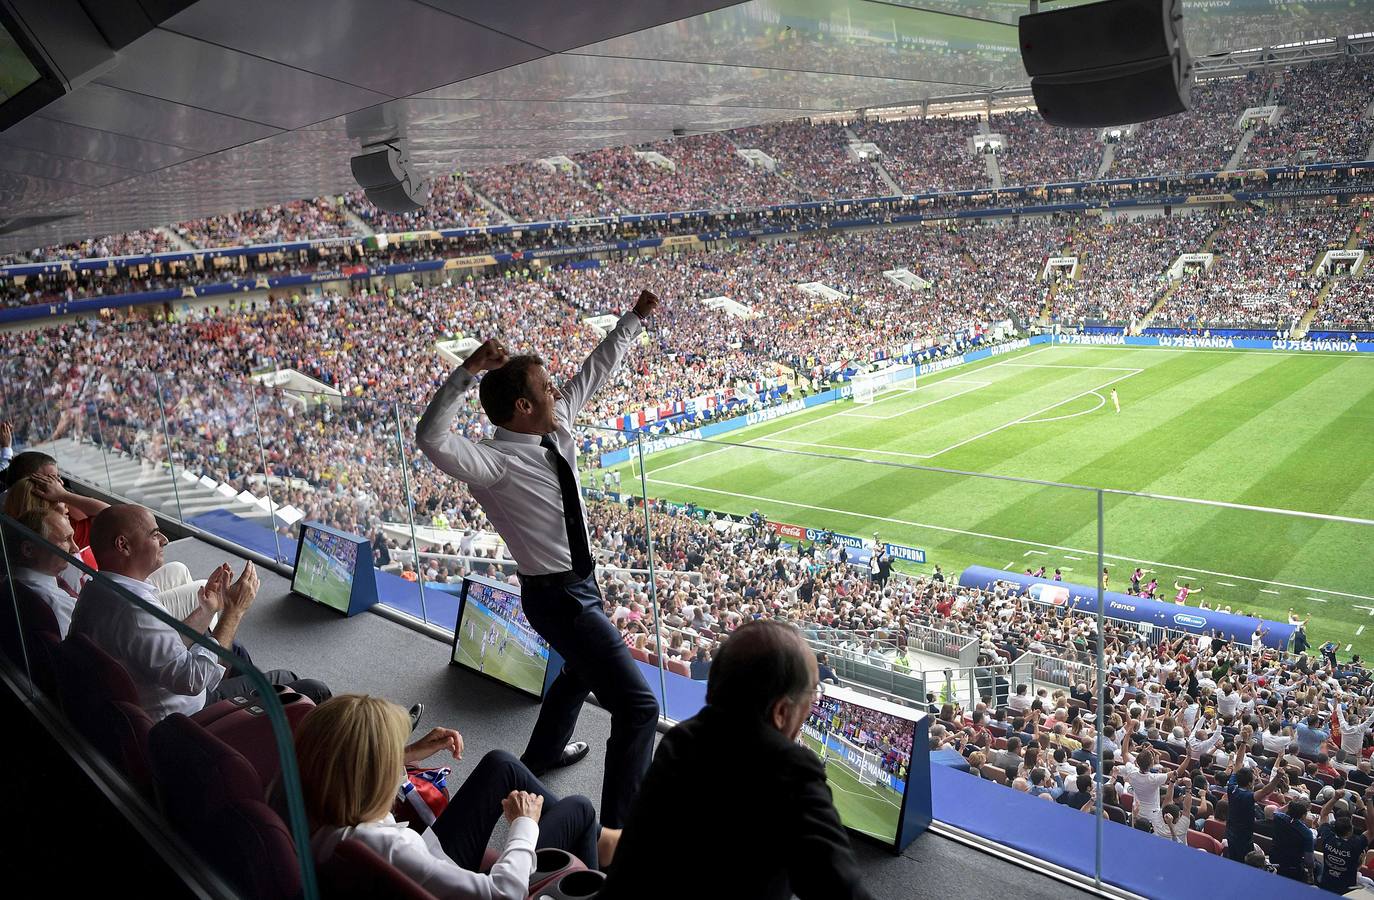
223 105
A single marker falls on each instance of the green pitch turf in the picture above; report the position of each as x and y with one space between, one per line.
512 666
318 576
1282 430
871 809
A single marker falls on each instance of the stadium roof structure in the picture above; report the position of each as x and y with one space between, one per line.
215 106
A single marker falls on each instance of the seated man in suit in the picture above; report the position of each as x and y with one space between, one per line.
39 570
171 675
743 744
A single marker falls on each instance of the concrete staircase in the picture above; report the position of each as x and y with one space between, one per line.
1108 157
1154 310
886 177
356 222
150 484
504 217
994 170
1305 323
1241 146
177 240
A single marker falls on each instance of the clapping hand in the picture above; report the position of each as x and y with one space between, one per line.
6 434
438 739
240 595
491 354
212 594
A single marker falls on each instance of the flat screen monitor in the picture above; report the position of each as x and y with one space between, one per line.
494 638
334 568
870 749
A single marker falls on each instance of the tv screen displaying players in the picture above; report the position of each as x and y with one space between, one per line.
865 745
494 638
325 564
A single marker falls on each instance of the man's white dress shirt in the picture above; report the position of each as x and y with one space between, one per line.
46 587
170 676
509 473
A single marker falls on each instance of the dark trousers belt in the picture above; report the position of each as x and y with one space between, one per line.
545 582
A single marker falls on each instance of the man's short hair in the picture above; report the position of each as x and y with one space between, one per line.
762 662
1245 777
25 464
500 388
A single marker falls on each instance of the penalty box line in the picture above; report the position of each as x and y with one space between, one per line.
999 537
1027 419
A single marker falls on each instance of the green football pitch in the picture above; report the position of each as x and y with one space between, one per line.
1282 431
511 666
869 808
320 577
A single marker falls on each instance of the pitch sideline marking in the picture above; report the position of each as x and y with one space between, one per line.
976 385
998 537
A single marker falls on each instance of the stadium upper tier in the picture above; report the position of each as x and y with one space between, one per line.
1316 112
1243 268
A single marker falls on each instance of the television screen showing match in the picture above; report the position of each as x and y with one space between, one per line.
325 564
865 745
494 638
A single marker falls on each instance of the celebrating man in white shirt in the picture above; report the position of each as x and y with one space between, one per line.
171 673
525 477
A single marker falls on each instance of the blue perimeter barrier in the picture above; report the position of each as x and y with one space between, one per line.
1083 598
1138 862
1191 342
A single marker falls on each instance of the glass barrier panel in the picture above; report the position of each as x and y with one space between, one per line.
175 666
963 606
32 402
1251 662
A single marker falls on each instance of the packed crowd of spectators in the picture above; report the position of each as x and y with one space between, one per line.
934 154
1203 139
1324 109
1262 273
1039 153
814 159
707 173
1349 306
298 220
1122 266
532 193
451 204
152 240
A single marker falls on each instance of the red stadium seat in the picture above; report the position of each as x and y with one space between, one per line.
993 773
247 729
1215 829
1127 802
1200 841
679 667
38 629
580 885
641 655
101 701
356 872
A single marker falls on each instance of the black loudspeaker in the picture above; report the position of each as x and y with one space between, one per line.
1111 63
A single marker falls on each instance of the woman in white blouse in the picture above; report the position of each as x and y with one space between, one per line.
352 755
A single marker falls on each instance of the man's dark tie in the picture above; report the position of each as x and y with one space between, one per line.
572 509
62 583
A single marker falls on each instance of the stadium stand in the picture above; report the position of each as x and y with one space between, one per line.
309 397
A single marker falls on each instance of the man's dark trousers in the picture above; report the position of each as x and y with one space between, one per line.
566 610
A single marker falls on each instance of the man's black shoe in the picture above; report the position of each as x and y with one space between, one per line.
571 754
416 712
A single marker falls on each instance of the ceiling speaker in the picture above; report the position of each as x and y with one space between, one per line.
1112 63
384 173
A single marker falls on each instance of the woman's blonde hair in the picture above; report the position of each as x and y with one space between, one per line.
20 498
351 753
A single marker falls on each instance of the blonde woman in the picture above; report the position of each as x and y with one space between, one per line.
352 756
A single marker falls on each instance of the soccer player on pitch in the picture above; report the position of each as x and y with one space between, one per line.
1116 401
